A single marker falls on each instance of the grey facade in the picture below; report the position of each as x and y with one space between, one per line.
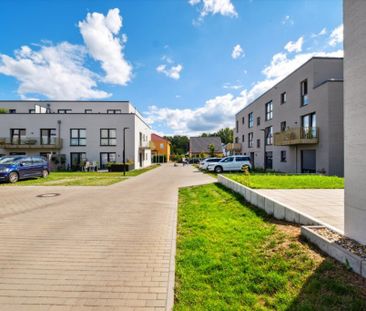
78 131
300 119
354 118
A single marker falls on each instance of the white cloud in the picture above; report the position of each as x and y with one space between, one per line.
236 86
101 37
287 20
219 112
336 36
223 7
171 72
54 71
237 52
322 32
295 46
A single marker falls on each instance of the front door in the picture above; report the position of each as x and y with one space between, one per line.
308 161
141 158
252 159
269 160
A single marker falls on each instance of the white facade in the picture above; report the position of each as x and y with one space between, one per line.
91 131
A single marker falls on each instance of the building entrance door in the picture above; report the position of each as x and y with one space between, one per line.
252 159
308 161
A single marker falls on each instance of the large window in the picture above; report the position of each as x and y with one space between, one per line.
107 157
308 123
108 137
250 120
48 136
269 110
77 137
250 140
17 136
304 93
77 160
269 135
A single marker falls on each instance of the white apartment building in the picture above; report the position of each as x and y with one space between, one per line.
75 132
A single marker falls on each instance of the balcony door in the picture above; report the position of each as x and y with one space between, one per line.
48 136
77 160
308 123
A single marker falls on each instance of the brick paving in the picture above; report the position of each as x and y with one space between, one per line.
92 248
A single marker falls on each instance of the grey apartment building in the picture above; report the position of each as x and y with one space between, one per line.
74 132
297 125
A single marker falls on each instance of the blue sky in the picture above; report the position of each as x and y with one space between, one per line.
187 65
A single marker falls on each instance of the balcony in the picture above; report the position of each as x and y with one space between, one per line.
233 147
30 143
297 136
145 145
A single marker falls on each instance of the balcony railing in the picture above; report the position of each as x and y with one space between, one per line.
30 143
145 145
297 136
233 147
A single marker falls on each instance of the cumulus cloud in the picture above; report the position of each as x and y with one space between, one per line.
169 69
336 36
295 46
223 7
101 37
59 71
54 71
219 111
322 32
237 52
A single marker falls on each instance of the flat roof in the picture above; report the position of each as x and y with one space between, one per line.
298 68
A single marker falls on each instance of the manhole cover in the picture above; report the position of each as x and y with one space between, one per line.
48 195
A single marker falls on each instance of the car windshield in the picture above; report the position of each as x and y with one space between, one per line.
9 160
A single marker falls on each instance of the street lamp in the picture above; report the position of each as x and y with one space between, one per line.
124 150
264 150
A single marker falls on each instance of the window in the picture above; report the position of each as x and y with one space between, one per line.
236 140
64 110
242 138
242 159
258 143
17 136
12 111
237 126
162 146
230 159
107 157
108 137
283 126
250 140
269 135
269 108
304 93
283 98
283 156
77 137
250 120
243 120
48 136
258 121
113 111
88 110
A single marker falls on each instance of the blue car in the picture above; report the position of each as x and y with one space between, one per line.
14 168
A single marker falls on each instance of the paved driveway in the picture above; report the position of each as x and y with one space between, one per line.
92 248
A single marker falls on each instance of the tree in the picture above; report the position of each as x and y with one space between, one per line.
179 144
211 149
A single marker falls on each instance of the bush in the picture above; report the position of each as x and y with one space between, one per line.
3 110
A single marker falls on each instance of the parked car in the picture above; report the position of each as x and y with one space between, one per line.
205 162
194 161
231 163
14 168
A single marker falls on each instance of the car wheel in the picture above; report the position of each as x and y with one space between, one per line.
45 173
13 177
218 169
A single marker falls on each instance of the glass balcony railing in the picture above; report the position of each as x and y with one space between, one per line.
30 143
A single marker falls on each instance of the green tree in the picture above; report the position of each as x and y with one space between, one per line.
226 135
211 149
179 144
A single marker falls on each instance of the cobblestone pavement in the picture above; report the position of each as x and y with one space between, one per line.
92 248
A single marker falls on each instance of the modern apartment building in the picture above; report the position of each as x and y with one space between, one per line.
297 125
74 132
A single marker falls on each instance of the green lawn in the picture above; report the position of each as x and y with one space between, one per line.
80 178
283 181
233 257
